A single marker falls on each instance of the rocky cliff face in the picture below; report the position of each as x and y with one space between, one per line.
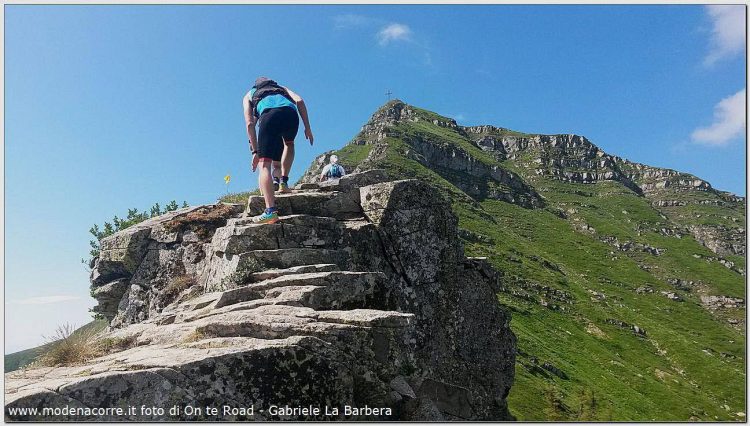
360 296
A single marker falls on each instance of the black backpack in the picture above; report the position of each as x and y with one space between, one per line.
266 87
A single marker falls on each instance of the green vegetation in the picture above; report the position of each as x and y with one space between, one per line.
117 224
353 154
592 343
238 197
17 360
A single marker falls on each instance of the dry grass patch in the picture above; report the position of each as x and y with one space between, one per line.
195 336
202 221
69 346
110 345
175 288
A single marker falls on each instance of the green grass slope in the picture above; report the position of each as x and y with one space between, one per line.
604 333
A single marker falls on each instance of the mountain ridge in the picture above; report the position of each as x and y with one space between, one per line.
614 253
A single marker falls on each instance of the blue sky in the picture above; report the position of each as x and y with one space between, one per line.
113 107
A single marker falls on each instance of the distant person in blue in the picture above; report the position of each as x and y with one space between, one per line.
333 170
273 108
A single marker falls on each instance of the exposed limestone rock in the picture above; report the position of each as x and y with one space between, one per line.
631 246
720 239
638 331
671 296
721 302
360 295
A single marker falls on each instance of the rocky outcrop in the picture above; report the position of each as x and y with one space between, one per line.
358 304
721 302
568 158
475 177
719 239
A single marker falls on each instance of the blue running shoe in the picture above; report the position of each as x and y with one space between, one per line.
267 217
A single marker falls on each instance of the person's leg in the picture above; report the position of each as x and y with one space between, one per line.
287 158
265 182
291 124
269 151
276 172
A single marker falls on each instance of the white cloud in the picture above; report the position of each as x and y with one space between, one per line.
349 20
394 32
729 121
42 300
728 32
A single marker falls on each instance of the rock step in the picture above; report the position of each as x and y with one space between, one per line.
294 231
226 271
303 269
281 322
339 288
335 204
291 257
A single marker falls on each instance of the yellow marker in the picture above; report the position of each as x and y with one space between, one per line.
227 178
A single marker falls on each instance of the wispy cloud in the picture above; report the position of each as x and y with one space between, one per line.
727 33
394 32
386 33
729 122
349 20
42 300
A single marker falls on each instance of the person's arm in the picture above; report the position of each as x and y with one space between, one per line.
323 173
250 123
302 108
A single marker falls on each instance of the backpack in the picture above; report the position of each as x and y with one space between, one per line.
335 171
266 87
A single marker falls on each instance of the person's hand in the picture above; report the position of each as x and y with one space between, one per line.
309 135
255 162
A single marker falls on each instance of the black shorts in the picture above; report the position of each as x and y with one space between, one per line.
276 126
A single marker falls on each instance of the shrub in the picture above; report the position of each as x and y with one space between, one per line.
117 224
69 346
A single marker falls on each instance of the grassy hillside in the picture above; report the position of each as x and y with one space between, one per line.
604 279
20 359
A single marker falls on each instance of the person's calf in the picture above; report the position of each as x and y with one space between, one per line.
265 183
287 158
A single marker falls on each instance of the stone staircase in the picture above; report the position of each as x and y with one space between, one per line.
279 293
314 310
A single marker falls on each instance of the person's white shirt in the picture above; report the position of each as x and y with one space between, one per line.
327 168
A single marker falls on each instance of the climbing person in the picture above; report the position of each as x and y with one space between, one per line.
273 108
333 170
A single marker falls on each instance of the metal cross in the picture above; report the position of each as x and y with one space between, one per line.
388 94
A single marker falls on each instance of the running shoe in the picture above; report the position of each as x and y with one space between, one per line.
284 187
267 217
